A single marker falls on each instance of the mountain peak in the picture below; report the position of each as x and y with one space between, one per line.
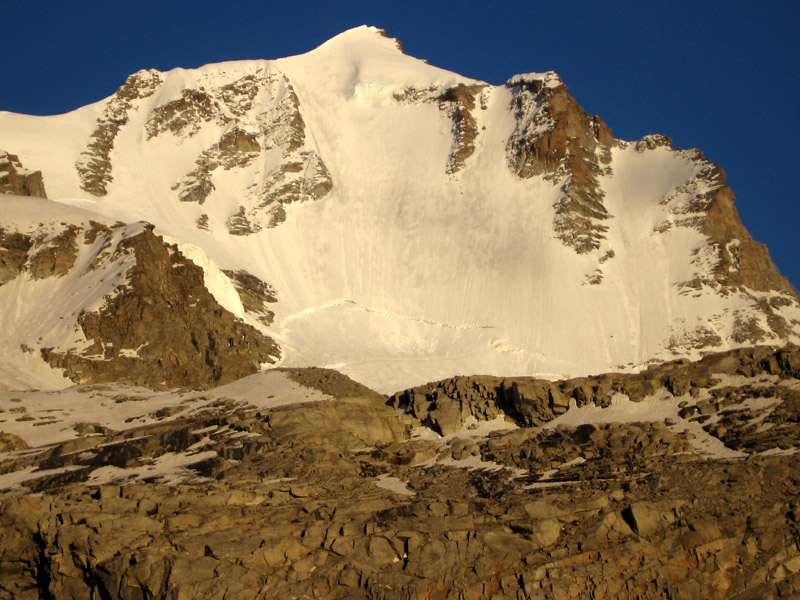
366 55
367 210
364 35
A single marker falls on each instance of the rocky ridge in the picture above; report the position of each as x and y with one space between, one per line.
350 498
143 336
556 138
133 308
95 163
531 402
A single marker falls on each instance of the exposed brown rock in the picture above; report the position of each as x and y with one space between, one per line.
56 257
447 404
458 103
185 114
94 166
236 148
743 262
556 137
238 96
163 328
10 442
15 179
14 254
256 295
653 141
47 256
529 401
239 224
334 499
306 179
331 382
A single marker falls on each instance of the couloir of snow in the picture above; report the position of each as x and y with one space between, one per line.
403 273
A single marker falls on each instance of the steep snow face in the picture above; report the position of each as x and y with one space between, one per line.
374 193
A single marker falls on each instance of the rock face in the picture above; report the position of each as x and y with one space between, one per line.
15 179
555 137
144 336
347 498
133 308
531 402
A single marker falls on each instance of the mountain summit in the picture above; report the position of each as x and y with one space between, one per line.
357 208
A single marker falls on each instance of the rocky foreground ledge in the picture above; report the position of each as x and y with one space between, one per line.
679 482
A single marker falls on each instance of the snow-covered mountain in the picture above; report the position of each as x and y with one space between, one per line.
402 222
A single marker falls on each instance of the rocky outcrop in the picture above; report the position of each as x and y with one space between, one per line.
95 166
274 136
43 256
185 114
256 295
14 254
447 405
133 308
162 327
16 179
331 383
236 148
554 136
56 256
458 103
10 442
343 499
305 178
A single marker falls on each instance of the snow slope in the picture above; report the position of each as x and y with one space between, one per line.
405 271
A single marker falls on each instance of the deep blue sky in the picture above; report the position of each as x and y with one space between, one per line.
720 76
